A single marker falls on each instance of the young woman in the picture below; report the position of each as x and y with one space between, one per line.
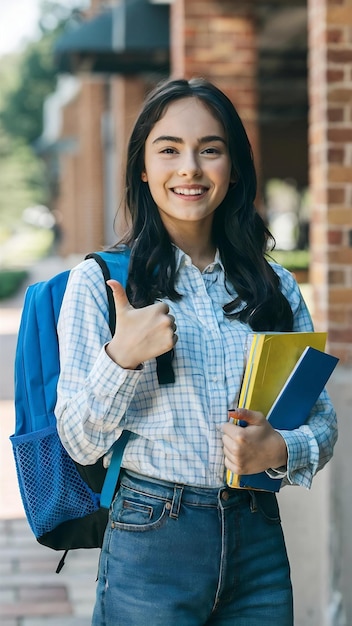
181 548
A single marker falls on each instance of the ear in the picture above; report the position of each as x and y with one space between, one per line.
144 176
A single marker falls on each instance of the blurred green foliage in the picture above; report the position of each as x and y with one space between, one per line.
11 281
22 105
26 79
290 259
18 253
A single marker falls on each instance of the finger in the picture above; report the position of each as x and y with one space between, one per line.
164 308
230 430
254 418
120 297
173 329
172 323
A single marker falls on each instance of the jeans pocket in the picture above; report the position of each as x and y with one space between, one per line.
266 503
137 511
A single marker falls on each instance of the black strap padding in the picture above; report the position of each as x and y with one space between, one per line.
164 369
104 268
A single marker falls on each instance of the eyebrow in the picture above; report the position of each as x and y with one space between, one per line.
179 140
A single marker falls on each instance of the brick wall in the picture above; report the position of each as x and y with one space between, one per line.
330 45
81 199
217 40
127 96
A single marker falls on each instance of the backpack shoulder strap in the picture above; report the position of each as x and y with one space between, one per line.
113 264
113 471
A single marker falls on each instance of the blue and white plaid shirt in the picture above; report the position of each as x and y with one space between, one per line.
176 428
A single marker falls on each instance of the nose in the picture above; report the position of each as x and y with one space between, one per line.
190 165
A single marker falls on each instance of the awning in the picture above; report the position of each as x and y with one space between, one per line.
129 38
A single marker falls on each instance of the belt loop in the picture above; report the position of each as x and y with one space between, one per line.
176 501
253 502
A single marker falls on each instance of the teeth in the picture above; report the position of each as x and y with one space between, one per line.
188 192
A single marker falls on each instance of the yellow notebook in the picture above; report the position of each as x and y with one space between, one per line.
271 358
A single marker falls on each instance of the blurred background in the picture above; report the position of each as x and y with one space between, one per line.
73 75
28 75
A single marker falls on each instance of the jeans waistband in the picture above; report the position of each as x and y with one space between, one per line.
206 496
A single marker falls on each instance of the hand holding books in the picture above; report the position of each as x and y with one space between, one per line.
284 376
249 450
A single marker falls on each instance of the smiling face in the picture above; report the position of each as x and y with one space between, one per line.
187 165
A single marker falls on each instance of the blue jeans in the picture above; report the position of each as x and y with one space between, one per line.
175 555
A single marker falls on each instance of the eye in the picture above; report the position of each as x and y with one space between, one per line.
211 150
168 151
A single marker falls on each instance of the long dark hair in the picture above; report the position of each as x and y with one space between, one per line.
239 232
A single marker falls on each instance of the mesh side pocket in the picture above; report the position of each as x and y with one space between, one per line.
51 488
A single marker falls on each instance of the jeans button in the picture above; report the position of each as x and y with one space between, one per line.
225 495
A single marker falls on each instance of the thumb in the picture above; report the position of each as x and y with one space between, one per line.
120 298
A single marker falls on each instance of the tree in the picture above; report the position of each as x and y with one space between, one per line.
22 109
22 114
26 80
22 180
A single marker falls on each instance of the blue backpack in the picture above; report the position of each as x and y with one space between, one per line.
66 504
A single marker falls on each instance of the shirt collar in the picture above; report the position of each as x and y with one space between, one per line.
183 259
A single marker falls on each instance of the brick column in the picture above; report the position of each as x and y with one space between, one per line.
81 202
128 93
217 40
91 203
330 137
330 153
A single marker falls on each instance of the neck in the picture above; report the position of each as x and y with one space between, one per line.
195 239
201 252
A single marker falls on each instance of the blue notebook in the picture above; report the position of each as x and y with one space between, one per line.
294 403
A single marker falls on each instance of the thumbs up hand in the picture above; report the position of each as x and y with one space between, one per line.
140 334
